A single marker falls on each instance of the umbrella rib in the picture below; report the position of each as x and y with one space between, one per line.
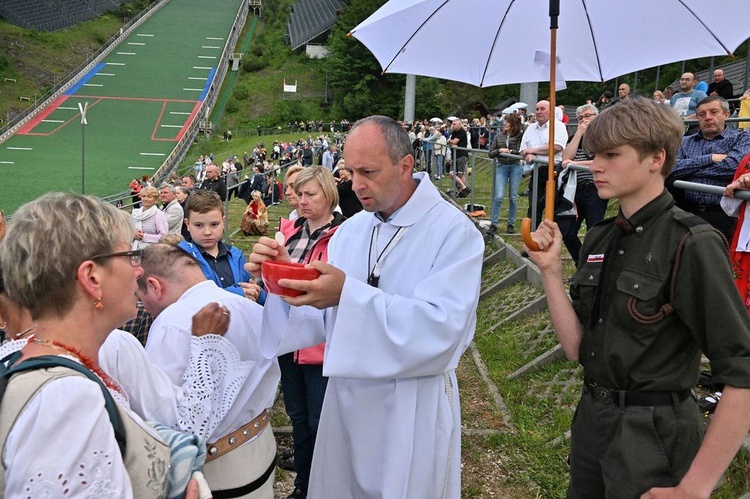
494 44
593 40
385 68
729 52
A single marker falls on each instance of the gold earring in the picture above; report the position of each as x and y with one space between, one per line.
3 325
98 304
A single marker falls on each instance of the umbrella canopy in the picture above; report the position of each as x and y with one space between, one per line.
435 120
496 42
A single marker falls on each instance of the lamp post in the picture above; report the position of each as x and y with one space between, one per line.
83 108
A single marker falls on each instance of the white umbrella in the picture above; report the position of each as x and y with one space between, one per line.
435 120
599 41
497 42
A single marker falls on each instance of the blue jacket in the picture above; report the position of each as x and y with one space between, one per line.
236 262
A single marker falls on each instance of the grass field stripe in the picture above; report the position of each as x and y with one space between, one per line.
206 57
143 34
137 43
20 148
115 63
153 154
193 89
209 47
105 74
93 85
125 53
7 163
68 108
201 67
75 88
213 38
179 112
202 78
53 121
141 168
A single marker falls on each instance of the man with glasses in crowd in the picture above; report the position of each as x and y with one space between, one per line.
585 203
709 157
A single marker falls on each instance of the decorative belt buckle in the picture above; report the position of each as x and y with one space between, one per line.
602 394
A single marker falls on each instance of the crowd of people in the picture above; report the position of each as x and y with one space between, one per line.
366 352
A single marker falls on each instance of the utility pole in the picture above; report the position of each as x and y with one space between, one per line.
83 108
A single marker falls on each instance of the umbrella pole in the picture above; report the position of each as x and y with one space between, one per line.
549 199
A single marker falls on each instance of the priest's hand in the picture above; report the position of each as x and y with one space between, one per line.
265 249
211 319
323 292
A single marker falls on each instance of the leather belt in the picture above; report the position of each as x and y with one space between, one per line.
633 398
238 436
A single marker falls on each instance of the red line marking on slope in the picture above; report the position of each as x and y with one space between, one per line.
55 130
39 117
190 119
26 130
158 120
147 99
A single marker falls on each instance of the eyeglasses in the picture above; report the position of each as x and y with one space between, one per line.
135 256
586 116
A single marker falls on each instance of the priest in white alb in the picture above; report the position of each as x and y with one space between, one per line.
396 306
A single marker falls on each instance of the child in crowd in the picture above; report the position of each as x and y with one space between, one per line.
223 264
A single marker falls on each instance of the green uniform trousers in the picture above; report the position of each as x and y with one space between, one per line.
623 451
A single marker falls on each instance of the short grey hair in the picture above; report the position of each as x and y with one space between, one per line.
587 107
47 241
714 98
396 140
167 185
165 261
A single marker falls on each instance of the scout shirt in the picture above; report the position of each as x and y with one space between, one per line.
636 340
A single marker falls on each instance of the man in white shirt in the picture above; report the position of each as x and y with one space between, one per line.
396 306
240 444
172 209
535 142
329 156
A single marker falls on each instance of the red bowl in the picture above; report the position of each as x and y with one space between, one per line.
272 271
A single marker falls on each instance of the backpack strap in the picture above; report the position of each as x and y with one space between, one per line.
48 361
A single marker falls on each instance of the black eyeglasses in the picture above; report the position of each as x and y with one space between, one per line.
135 256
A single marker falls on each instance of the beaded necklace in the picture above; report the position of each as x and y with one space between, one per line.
86 361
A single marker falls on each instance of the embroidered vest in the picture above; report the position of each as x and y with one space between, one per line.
146 457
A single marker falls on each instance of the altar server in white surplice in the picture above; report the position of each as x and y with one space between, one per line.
396 306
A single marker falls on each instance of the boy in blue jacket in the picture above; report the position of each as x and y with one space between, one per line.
223 264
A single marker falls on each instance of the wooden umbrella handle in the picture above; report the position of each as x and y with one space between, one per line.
526 234
549 212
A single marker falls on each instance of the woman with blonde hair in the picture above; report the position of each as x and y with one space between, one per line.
659 97
77 279
149 221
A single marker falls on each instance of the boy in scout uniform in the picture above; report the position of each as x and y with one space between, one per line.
652 291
